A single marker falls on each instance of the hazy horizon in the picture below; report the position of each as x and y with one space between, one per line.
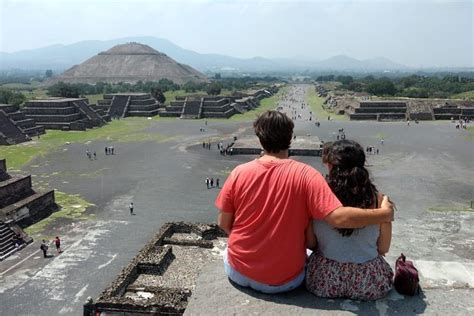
422 34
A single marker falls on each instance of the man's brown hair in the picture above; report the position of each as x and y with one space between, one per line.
274 130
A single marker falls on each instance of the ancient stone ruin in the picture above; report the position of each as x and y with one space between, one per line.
453 112
20 206
380 110
15 127
162 276
130 63
196 106
64 114
129 104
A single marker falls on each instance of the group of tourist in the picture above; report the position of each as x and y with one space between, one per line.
371 150
91 155
341 135
225 150
44 247
210 183
109 150
462 123
274 209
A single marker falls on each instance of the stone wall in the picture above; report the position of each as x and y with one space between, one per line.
155 258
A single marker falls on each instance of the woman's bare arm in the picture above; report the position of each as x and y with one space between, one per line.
385 237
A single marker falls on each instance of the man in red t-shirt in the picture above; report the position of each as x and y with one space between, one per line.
266 206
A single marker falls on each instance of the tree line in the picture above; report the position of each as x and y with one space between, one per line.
413 86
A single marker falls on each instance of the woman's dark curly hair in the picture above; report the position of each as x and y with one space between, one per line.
348 178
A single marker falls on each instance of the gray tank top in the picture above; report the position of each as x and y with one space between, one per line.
359 247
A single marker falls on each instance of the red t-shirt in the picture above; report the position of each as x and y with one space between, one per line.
272 203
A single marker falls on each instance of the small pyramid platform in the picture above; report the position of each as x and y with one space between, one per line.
20 206
15 127
64 114
129 104
203 106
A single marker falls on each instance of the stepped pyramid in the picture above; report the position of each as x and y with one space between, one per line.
21 206
130 63
15 127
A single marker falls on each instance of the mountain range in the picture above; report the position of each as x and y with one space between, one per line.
60 57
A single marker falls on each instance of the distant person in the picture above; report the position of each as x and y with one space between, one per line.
349 263
266 205
217 182
44 248
57 243
131 207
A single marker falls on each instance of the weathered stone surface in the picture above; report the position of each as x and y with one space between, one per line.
214 294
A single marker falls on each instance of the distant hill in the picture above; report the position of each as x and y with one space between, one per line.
60 57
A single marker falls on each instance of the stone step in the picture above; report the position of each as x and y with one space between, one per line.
445 274
23 209
25 123
14 189
7 250
40 119
4 237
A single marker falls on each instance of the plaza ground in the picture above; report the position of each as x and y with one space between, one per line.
425 168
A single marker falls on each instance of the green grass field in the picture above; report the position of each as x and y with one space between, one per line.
93 98
469 95
73 207
317 106
128 130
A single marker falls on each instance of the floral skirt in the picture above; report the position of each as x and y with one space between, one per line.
363 281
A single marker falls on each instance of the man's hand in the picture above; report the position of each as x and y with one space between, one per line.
388 205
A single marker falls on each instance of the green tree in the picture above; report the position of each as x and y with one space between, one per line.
382 86
64 90
158 95
213 88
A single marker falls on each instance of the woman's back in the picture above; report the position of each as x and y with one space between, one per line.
359 247
347 262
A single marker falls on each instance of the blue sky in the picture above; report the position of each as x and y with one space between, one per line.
415 33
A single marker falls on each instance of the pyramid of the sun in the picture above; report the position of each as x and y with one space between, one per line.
130 63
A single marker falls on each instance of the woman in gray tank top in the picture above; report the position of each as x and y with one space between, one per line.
349 263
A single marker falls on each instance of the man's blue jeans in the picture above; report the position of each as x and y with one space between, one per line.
244 281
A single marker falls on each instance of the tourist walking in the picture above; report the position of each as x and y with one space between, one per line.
208 181
44 248
212 182
57 243
131 208
217 182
